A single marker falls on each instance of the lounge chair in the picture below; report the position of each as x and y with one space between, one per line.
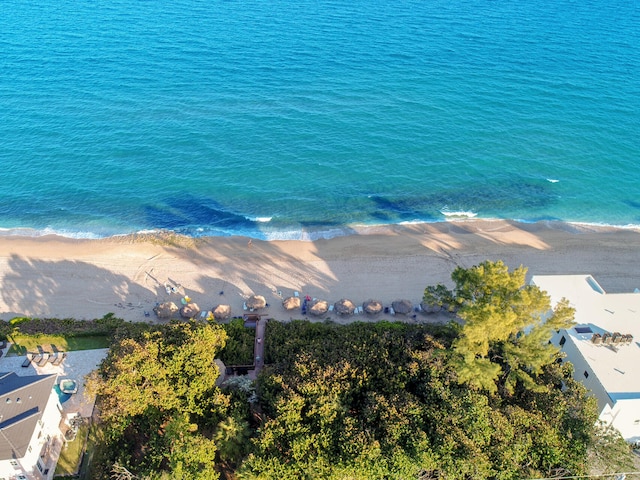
391 311
44 360
296 294
61 356
37 358
53 357
27 361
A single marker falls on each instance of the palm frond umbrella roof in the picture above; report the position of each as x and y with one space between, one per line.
319 307
291 303
344 307
165 310
190 310
254 302
402 306
372 306
222 312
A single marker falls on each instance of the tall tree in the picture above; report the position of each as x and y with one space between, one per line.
506 327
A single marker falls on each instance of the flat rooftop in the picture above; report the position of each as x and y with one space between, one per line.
617 367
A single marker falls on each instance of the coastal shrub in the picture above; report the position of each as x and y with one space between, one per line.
382 401
238 349
163 415
67 327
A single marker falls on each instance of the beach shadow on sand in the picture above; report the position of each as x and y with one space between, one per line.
34 287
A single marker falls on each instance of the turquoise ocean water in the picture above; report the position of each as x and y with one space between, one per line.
280 119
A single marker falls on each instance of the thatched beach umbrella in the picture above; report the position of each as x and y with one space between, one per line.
372 306
255 302
291 303
344 307
319 307
222 312
430 307
402 307
165 310
190 310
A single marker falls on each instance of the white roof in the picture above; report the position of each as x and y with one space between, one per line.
617 368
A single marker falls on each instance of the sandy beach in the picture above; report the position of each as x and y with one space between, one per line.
52 276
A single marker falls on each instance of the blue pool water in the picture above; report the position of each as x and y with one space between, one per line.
62 397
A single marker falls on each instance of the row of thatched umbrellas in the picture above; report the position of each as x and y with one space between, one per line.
346 306
314 307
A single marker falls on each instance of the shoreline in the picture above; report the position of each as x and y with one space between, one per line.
54 276
304 234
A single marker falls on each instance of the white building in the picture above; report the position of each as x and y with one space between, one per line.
603 345
30 437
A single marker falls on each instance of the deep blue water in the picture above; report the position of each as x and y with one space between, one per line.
274 118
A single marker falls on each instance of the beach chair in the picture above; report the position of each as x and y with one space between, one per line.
296 294
391 311
331 308
27 361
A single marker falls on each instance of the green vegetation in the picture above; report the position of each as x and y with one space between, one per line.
27 334
71 453
506 327
22 344
239 345
160 404
383 401
482 397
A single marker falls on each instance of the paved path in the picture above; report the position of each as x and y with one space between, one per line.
258 351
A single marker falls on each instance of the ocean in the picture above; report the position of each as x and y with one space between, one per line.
300 120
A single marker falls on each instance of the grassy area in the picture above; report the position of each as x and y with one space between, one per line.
69 460
95 454
22 344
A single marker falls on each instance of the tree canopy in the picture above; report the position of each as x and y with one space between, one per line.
505 328
383 401
159 400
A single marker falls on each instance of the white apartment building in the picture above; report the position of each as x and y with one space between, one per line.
603 345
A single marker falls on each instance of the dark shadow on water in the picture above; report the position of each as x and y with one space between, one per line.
188 211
